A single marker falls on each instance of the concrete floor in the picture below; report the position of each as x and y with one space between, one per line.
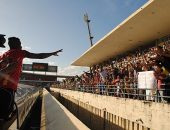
56 117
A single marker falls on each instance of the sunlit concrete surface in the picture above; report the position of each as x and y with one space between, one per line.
56 117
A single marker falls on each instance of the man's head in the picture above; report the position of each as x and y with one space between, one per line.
2 40
14 43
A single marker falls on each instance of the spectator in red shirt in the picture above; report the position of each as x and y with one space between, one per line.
9 81
160 76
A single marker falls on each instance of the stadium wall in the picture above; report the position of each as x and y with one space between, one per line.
144 113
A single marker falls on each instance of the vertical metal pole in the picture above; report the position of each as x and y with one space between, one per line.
90 37
104 118
86 19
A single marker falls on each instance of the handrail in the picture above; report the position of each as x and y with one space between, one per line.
147 94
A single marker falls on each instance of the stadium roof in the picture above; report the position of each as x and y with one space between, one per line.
148 23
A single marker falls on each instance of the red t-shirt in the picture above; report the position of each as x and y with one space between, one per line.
11 80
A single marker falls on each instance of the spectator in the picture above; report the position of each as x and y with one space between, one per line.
103 75
9 81
158 73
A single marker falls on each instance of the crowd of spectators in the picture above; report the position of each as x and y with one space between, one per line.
119 76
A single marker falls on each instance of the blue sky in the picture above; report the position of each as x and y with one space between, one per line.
49 25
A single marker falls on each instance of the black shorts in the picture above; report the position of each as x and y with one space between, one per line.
6 102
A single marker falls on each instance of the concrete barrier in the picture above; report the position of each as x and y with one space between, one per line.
144 114
56 117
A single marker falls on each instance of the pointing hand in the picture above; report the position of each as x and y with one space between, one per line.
56 53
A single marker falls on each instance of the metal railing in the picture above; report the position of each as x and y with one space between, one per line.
147 94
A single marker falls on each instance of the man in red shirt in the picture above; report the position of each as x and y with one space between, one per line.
11 69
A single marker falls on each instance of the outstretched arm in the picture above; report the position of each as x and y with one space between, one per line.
41 55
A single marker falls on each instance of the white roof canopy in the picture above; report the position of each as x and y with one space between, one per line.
150 22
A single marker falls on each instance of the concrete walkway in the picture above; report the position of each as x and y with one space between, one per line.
56 117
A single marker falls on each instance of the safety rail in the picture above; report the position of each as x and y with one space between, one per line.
148 94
